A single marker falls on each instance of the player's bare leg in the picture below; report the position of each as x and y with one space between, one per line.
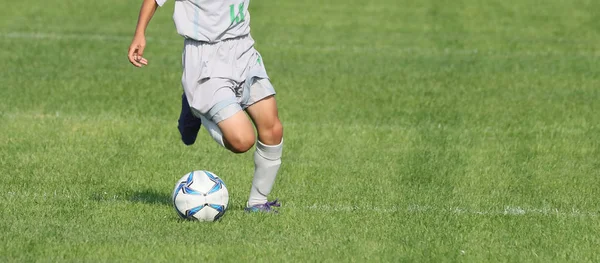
238 133
267 158
265 116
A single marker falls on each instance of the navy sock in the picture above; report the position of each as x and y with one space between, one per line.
189 125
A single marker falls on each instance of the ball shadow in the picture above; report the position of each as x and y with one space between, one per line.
149 197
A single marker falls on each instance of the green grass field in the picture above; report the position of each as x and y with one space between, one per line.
424 131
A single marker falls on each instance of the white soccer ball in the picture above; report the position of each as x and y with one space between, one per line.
200 195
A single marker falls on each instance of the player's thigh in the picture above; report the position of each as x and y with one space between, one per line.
238 132
265 116
236 128
215 99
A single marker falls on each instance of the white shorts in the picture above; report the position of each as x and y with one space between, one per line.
220 79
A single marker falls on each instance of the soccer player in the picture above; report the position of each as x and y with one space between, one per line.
223 79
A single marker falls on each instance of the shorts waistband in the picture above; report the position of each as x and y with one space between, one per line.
191 40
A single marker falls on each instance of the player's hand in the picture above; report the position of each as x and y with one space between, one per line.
136 50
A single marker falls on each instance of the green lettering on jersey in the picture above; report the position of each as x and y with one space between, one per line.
236 19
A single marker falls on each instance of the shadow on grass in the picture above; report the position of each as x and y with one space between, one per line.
145 197
149 197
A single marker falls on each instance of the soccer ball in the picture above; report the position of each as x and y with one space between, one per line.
200 195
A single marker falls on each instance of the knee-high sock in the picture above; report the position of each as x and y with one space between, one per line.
267 160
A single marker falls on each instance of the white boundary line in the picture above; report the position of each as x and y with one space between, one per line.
387 49
344 126
418 209
507 210
58 36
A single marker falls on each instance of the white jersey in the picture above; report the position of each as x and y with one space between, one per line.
211 20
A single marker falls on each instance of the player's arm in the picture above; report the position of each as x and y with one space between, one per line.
136 49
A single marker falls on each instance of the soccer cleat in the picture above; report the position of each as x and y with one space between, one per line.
264 208
189 125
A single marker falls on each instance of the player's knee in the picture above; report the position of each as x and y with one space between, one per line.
277 131
241 143
272 134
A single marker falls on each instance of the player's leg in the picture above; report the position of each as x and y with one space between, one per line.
265 116
217 106
237 131
269 146
189 125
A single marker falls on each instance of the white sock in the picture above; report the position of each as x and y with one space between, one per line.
267 160
213 129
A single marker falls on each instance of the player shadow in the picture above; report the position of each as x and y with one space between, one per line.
149 197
